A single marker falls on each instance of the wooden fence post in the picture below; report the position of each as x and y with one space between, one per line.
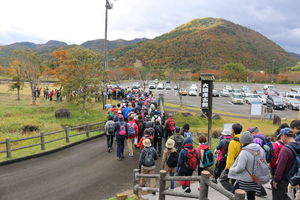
8 148
135 182
42 136
87 130
239 194
67 134
162 184
203 186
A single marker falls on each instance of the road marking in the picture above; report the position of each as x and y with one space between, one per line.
230 102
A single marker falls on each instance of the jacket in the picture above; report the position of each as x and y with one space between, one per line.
188 143
107 125
200 150
285 161
126 111
298 137
140 144
135 127
165 158
143 154
277 147
117 128
234 149
244 161
222 147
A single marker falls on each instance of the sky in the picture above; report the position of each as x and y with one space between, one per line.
77 21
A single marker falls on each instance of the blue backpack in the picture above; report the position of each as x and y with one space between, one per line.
208 159
294 173
131 130
187 134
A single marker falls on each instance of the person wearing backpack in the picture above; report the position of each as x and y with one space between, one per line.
158 135
250 169
169 127
149 124
234 149
179 139
121 134
187 163
170 159
185 131
133 130
222 150
277 146
295 126
287 165
147 162
147 135
206 157
110 132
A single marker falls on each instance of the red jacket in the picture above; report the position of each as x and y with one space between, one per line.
277 147
135 127
140 144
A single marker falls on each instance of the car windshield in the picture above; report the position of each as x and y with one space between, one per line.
253 96
225 91
278 101
295 102
237 96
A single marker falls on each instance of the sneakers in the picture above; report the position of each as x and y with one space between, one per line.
187 190
119 158
130 154
109 149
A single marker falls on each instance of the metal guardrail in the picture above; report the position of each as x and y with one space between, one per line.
204 181
83 129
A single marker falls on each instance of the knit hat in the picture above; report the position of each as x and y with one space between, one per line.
170 143
246 138
226 132
147 143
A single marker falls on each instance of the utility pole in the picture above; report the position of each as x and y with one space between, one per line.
272 77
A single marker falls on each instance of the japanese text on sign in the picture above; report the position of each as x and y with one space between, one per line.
204 94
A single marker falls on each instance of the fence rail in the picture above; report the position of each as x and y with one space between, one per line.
83 129
204 181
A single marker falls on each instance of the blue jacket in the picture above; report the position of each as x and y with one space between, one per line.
188 143
126 112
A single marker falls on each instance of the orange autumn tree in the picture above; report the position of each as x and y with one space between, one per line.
15 70
80 73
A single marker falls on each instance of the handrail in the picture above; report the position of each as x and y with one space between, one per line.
22 139
53 132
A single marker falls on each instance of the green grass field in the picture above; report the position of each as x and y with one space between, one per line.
15 114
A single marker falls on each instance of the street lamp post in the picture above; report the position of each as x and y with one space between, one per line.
272 76
108 6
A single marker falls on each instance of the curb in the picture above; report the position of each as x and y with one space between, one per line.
7 162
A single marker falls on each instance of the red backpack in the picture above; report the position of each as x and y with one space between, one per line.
191 159
171 124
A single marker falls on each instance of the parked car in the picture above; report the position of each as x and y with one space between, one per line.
293 105
156 81
253 98
193 92
225 93
236 91
168 86
236 98
175 87
264 98
160 86
245 88
276 102
136 85
152 85
295 90
215 93
229 88
269 87
182 92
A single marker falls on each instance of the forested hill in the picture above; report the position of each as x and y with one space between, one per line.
207 42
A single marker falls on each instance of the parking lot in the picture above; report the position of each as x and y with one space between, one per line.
224 103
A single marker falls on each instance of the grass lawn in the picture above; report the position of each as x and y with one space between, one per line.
15 114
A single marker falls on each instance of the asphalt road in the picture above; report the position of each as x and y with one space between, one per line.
82 172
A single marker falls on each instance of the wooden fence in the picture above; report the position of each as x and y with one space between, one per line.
204 181
82 130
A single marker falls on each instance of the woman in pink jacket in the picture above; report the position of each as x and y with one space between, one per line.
133 131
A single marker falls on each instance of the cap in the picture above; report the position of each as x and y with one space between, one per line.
226 132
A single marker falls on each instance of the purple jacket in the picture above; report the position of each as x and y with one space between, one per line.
259 139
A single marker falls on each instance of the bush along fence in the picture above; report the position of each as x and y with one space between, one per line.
204 181
68 133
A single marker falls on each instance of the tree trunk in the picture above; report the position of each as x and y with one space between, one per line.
18 93
32 93
84 104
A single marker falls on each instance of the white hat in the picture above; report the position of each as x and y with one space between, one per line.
226 132
119 112
170 143
147 143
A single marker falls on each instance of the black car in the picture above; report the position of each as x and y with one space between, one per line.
276 102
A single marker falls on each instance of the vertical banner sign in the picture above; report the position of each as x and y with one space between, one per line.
206 99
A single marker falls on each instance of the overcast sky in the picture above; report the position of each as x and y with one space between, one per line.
76 21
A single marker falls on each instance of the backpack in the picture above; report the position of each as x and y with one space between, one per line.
225 150
187 134
122 130
294 173
191 162
268 147
173 159
111 113
208 158
148 160
171 124
131 130
140 126
111 128
178 142
260 173
158 131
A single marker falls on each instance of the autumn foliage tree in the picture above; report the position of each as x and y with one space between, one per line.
235 71
80 74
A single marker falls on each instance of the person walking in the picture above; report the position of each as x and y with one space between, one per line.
222 150
121 134
295 126
187 163
158 136
206 157
169 127
110 132
179 139
133 131
250 169
169 160
277 146
147 162
185 131
147 135
285 163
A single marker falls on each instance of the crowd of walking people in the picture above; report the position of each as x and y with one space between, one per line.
51 95
243 159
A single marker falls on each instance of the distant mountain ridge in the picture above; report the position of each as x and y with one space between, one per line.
296 55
